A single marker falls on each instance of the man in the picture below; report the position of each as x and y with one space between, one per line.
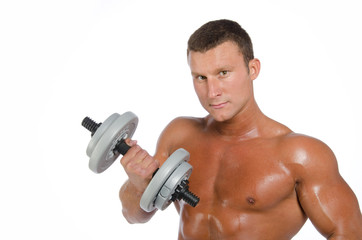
255 177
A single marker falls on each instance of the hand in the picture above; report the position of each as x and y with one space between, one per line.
139 165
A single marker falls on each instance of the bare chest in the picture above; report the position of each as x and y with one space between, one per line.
239 185
242 176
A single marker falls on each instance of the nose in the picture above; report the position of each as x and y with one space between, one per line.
214 88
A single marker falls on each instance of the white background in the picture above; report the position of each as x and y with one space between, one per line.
63 60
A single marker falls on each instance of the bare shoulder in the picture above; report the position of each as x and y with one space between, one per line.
307 156
176 132
182 127
188 122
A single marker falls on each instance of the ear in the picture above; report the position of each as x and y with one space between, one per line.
254 68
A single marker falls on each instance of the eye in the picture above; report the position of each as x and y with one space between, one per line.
201 78
224 73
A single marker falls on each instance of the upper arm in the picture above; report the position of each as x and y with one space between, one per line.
324 196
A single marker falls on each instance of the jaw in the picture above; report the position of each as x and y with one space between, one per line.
240 121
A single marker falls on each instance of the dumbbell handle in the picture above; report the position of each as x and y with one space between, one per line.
122 147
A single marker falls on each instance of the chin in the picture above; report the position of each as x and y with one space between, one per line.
220 118
220 115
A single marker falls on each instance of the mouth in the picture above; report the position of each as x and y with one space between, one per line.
218 105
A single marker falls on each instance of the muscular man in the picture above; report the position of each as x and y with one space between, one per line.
256 178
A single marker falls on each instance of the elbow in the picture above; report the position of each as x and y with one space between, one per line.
131 210
135 217
128 218
353 233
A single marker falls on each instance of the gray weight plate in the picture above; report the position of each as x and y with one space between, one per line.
99 133
102 155
182 172
148 198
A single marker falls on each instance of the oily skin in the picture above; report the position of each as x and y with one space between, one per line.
256 178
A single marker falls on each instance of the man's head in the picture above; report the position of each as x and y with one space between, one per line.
214 33
223 68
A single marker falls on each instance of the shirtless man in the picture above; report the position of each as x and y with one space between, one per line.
255 177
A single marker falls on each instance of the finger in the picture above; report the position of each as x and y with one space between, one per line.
152 165
141 156
130 155
130 142
147 161
143 164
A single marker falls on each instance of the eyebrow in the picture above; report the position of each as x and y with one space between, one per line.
196 74
225 67
218 69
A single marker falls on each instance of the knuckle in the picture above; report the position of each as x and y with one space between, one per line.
123 161
128 168
148 159
144 153
152 166
136 148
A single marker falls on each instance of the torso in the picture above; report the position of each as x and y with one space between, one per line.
246 187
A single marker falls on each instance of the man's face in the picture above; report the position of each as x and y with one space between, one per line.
221 80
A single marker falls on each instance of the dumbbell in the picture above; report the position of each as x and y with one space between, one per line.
169 183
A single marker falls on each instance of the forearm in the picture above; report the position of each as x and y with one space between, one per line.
130 198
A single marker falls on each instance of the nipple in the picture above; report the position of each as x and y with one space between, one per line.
250 200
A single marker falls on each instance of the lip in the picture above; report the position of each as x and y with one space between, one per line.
218 105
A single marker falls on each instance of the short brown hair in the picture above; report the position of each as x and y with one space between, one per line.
214 33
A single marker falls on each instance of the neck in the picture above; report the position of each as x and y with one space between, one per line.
247 124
